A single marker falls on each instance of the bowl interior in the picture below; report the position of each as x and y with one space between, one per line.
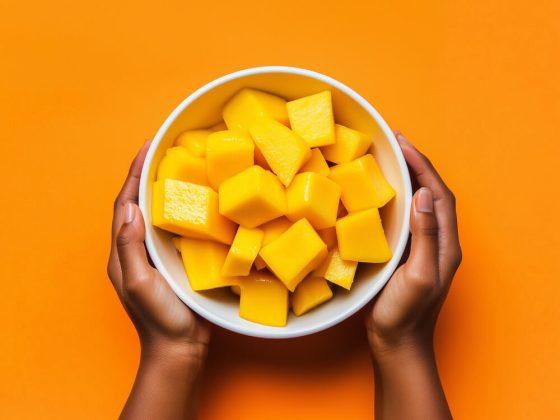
221 307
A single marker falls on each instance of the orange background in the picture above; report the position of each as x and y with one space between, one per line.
83 83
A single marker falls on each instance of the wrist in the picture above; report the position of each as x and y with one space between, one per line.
409 347
173 357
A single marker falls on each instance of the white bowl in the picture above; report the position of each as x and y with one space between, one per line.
202 109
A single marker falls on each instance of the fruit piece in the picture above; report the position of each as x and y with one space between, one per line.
312 118
341 211
227 154
284 150
189 210
177 242
336 270
350 144
361 237
274 229
250 104
314 197
221 126
235 289
194 141
243 251
260 159
295 253
316 163
252 197
328 236
311 292
363 185
179 164
264 299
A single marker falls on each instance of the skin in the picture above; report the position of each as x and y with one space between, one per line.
400 325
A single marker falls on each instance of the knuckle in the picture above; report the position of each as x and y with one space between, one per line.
432 231
123 239
420 280
136 284
451 197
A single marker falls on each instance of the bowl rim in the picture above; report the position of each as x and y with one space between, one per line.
275 332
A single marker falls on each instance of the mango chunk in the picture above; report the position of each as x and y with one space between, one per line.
314 197
249 104
328 236
336 270
177 242
252 197
259 263
361 237
311 292
264 299
260 159
274 229
179 164
363 185
244 249
227 154
312 118
221 126
295 253
350 144
189 210
316 163
284 150
203 262
194 141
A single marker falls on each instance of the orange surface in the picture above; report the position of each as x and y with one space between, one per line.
82 84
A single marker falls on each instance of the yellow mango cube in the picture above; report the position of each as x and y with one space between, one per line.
316 163
189 210
336 270
194 141
252 197
227 154
363 185
249 104
272 230
263 299
221 126
295 253
243 251
179 164
350 144
313 197
361 237
260 159
312 118
284 151
311 292
328 236
203 261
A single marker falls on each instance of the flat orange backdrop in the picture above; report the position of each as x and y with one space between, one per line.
83 83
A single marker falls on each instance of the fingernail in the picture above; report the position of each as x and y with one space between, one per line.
129 213
425 201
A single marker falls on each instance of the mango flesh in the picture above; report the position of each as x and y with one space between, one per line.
361 237
328 236
272 230
189 210
203 261
362 183
249 104
194 141
316 163
313 197
336 270
294 254
284 151
179 164
263 299
235 289
350 144
243 251
252 197
221 126
312 118
227 154
311 292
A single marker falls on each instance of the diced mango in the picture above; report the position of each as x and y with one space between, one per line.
295 253
361 237
316 163
311 292
194 141
227 154
260 159
221 126
259 263
252 197
264 299
179 164
189 210
284 150
235 289
177 242
314 197
350 144
274 229
250 104
336 270
363 185
244 249
312 118
203 261
328 236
